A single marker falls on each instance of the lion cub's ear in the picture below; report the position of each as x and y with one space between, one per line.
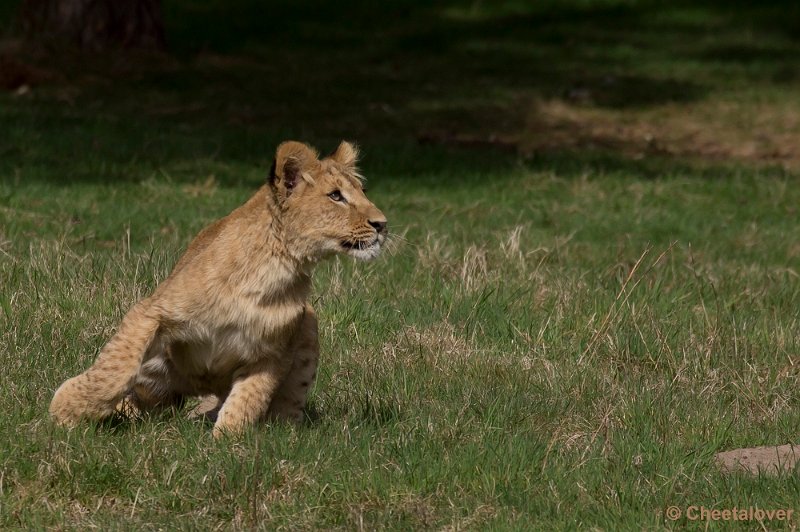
292 158
346 154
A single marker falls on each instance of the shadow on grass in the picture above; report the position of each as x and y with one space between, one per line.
242 76
118 423
115 424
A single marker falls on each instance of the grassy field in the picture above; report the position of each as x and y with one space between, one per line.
596 288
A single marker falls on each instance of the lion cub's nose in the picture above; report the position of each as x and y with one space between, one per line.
379 225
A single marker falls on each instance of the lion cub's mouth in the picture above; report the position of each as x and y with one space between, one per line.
363 249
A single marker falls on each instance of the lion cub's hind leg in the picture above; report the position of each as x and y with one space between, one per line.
207 408
156 386
290 400
95 393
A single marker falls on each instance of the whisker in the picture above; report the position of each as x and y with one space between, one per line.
395 243
400 240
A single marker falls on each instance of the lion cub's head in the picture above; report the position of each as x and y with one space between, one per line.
324 209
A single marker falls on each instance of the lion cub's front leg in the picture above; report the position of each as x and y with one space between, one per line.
276 388
253 389
95 393
290 400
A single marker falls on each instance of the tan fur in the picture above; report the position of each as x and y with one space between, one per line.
232 321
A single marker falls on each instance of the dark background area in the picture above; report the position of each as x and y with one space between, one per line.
480 78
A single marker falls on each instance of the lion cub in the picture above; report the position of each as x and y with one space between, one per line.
233 320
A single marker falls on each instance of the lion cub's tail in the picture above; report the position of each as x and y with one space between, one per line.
95 393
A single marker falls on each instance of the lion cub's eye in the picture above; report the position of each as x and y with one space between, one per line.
336 196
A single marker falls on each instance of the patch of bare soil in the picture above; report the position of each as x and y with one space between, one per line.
765 133
759 460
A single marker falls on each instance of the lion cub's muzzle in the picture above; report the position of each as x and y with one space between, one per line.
370 247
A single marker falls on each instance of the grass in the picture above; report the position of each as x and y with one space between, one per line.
597 288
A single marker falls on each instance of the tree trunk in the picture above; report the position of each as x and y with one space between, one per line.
95 24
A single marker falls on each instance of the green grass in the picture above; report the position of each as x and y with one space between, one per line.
564 336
